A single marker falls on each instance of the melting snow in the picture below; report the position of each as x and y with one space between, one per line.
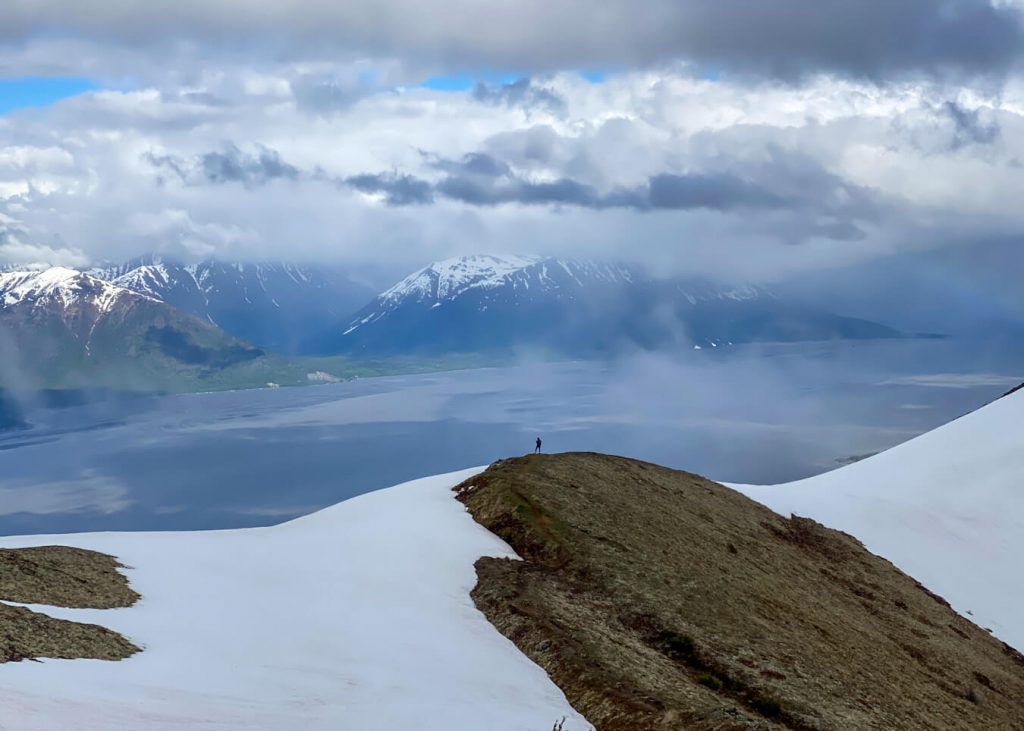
356 617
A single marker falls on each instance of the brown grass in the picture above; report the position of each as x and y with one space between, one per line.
27 635
66 577
658 599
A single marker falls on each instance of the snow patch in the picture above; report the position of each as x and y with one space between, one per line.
356 617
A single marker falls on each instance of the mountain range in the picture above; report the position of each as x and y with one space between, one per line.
275 305
154 318
474 303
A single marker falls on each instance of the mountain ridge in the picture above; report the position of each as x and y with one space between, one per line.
582 307
658 599
276 305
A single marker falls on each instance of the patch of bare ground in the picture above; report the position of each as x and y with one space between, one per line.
657 599
28 635
65 577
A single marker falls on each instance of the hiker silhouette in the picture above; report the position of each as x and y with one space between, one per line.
537 450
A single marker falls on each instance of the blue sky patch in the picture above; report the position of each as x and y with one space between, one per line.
39 91
465 82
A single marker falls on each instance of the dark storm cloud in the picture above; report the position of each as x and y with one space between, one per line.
475 163
970 130
398 190
784 181
230 165
172 164
490 191
971 289
718 192
233 165
867 38
876 39
824 204
521 93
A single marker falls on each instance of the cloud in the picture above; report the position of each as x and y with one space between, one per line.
480 179
737 138
875 39
16 253
827 205
719 192
522 92
970 130
398 190
326 94
664 191
475 163
727 178
234 165
489 191
229 165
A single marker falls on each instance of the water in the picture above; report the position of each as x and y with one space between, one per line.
222 460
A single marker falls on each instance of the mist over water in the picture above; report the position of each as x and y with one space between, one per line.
762 414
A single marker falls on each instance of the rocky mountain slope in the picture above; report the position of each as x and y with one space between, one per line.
277 306
63 326
477 303
658 599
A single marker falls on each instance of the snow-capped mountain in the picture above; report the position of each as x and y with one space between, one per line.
63 321
274 305
478 302
59 286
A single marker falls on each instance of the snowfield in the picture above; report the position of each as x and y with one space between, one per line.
947 508
356 617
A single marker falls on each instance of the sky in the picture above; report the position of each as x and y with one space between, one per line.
787 141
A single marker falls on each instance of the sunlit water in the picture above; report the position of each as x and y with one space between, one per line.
250 458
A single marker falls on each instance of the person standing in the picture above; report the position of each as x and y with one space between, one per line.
537 450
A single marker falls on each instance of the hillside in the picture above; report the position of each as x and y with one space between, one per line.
658 599
947 507
578 307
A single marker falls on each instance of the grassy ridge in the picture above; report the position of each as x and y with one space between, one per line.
657 599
